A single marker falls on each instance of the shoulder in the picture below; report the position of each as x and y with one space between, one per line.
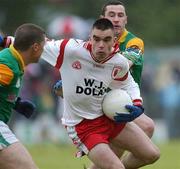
134 41
61 45
6 57
6 74
75 42
120 60
71 44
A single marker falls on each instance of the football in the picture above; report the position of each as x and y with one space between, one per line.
115 101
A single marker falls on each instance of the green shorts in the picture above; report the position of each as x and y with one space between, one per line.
6 136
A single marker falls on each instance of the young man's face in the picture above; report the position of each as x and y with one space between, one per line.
117 15
102 42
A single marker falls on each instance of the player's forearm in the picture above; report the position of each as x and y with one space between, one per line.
131 87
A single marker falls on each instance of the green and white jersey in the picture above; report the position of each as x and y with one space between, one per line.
6 136
11 71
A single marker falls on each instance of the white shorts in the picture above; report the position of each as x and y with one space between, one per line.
6 136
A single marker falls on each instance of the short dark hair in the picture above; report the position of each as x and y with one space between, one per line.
103 24
111 2
27 34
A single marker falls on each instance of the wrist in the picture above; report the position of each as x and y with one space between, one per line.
137 102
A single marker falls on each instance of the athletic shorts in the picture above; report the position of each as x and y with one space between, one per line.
89 133
6 136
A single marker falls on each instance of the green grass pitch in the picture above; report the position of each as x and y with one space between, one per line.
57 157
63 157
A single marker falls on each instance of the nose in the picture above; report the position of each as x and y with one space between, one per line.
116 18
101 44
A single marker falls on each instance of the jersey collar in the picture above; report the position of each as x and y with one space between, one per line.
18 57
121 38
88 46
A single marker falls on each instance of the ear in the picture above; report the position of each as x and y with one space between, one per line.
126 19
101 16
35 47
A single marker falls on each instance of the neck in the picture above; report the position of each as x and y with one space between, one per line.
24 57
120 34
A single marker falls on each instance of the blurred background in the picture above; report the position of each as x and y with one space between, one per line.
156 22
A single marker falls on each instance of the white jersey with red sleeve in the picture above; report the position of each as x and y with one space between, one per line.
85 81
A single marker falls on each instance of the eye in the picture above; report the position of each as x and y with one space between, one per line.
111 14
96 39
121 15
107 39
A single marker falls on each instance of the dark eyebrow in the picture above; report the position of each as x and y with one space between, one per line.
94 36
112 12
107 37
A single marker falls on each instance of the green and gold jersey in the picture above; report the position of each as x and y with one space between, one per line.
132 48
11 71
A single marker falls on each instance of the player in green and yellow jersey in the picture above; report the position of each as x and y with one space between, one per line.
130 45
27 48
132 48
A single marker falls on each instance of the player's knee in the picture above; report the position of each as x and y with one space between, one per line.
149 127
146 124
153 156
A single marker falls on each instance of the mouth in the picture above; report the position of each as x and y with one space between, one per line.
100 53
117 27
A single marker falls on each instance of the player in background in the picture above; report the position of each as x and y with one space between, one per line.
132 48
27 48
87 70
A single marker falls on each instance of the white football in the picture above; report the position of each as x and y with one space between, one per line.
115 101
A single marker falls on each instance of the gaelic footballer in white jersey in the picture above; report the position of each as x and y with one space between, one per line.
85 81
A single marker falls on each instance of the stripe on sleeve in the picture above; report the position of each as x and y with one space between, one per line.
61 54
122 78
6 75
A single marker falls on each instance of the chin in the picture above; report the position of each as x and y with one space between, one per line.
117 33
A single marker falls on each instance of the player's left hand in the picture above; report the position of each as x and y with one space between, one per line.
24 107
135 111
57 88
58 85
